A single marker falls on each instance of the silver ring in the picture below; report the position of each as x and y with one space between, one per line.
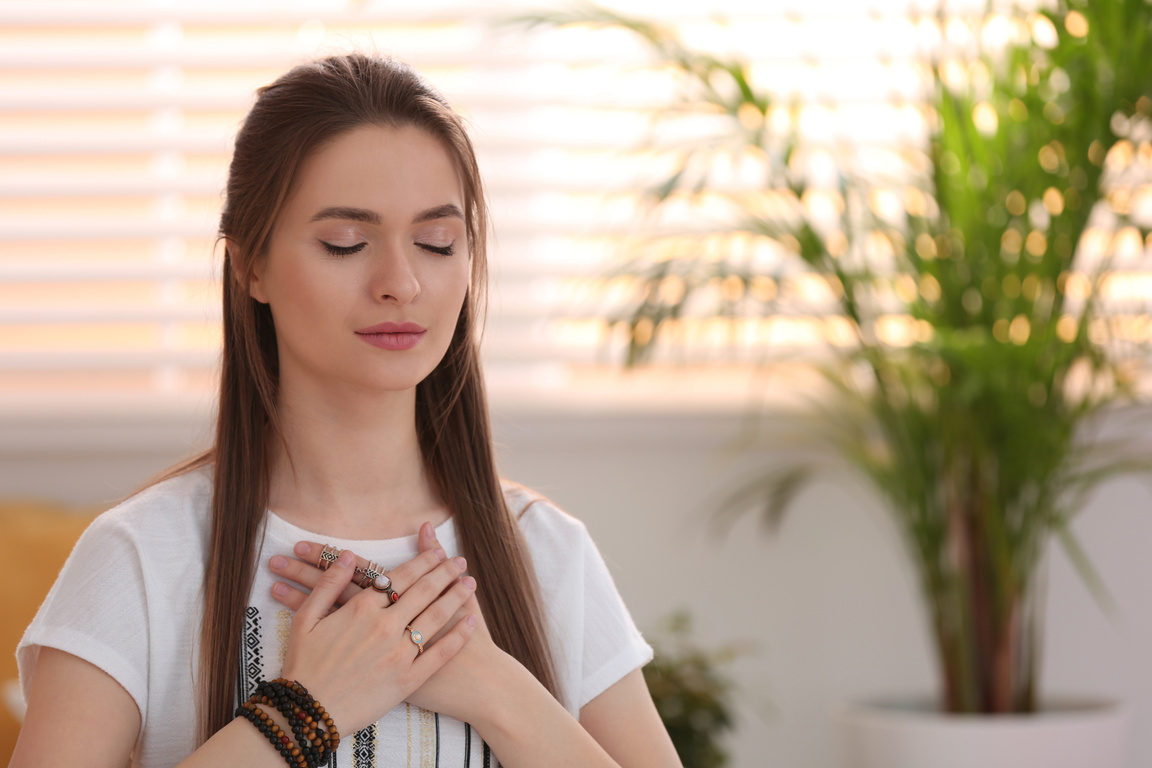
328 555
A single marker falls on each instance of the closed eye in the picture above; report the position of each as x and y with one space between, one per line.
443 250
342 250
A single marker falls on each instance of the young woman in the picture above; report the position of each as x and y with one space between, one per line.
342 579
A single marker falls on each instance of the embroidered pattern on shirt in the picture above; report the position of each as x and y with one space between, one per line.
251 657
427 739
364 743
283 629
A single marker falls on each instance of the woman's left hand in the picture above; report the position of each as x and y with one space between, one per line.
465 686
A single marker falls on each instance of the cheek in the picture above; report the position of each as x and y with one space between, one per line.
308 286
464 285
454 286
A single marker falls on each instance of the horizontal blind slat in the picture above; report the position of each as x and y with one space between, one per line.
157 90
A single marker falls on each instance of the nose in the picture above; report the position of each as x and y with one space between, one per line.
393 276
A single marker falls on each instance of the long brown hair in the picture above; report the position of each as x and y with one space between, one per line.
294 116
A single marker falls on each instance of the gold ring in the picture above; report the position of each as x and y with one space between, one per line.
417 637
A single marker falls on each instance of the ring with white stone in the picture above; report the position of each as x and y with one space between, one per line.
417 637
384 584
380 582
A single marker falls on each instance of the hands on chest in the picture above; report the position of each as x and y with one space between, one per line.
362 651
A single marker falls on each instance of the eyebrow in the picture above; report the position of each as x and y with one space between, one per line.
447 211
352 214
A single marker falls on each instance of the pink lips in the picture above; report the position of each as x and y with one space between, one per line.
393 336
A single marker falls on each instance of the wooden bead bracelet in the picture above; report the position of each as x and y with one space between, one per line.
316 736
267 726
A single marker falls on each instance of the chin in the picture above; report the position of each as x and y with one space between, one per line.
400 378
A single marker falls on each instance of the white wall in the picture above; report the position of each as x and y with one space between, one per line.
827 606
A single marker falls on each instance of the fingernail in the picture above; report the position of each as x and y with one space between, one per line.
278 562
279 588
461 563
302 548
469 583
470 620
345 560
427 532
441 555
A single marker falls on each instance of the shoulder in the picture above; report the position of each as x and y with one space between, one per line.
121 600
541 521
174 511
592 636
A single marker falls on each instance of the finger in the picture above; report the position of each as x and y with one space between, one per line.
427 538
293 598
332 582
445 609
442 651
305 571
408 573
429 587
471 607
288 595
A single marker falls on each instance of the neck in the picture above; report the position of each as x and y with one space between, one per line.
352 467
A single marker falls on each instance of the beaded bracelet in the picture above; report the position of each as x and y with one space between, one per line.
316 736
267 726
294 692
310 745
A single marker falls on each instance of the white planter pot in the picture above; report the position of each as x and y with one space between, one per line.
1066 734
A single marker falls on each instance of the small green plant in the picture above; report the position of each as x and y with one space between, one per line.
692 693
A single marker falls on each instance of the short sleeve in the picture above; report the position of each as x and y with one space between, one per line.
593 639
96 610
613 646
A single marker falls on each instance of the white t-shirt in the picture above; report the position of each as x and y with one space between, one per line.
129 600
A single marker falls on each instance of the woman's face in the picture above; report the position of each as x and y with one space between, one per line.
368 264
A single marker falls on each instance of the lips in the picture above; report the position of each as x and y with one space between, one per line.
393 336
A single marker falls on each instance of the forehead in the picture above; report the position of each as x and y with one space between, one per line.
393 171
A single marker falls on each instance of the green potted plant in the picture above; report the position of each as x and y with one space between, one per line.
969 344
691 692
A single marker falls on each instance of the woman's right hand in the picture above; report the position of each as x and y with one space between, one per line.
356 658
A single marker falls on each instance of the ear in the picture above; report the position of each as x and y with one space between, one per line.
255 281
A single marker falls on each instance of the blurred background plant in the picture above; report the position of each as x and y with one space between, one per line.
964 301
692 692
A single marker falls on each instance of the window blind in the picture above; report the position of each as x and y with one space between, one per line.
116 120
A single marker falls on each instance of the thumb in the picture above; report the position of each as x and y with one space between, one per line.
324 596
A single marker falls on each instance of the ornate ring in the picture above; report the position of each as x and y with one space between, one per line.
381 583
417 637
367 575
328 555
